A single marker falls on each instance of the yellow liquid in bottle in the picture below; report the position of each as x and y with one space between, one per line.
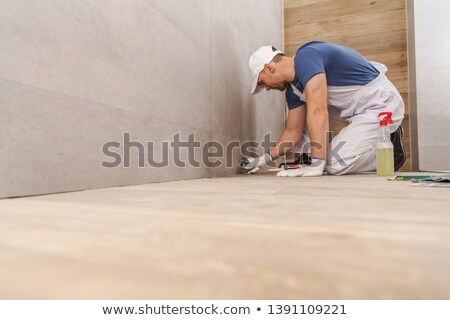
385 162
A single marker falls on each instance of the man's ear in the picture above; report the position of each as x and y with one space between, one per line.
269 67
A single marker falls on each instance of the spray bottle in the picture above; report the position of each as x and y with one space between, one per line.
385 149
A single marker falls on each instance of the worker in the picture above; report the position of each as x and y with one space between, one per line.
324 82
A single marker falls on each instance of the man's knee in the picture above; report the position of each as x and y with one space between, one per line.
363 162
335 168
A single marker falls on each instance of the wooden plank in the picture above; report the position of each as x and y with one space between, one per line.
301 3
397 60
367 44
382 22
400 81
318 12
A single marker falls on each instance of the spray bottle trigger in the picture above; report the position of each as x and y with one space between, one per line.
385 118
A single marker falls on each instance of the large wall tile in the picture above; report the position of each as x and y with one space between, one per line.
263 114
433 95
236 35
231 150
77 74
53 143
431 132
428 159
241 27
432 31
192 17
229 100
118 53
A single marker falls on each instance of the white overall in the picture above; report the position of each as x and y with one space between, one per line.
354 148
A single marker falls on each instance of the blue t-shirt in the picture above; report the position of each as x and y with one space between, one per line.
342 67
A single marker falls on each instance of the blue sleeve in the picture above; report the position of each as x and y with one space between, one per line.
307 64
293 101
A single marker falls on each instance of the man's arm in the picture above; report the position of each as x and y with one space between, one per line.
317 115
292 133
290 137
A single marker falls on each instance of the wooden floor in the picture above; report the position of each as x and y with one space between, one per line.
246 237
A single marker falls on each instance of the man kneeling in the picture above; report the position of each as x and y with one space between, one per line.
323 82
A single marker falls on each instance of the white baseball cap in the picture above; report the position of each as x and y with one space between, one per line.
257 61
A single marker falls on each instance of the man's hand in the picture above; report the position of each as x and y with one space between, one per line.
314 170
251 165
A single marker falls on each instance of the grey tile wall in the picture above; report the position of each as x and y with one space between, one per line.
54 143
77 74
118 53
239 28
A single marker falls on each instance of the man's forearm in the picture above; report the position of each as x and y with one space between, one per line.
318 126
285 143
